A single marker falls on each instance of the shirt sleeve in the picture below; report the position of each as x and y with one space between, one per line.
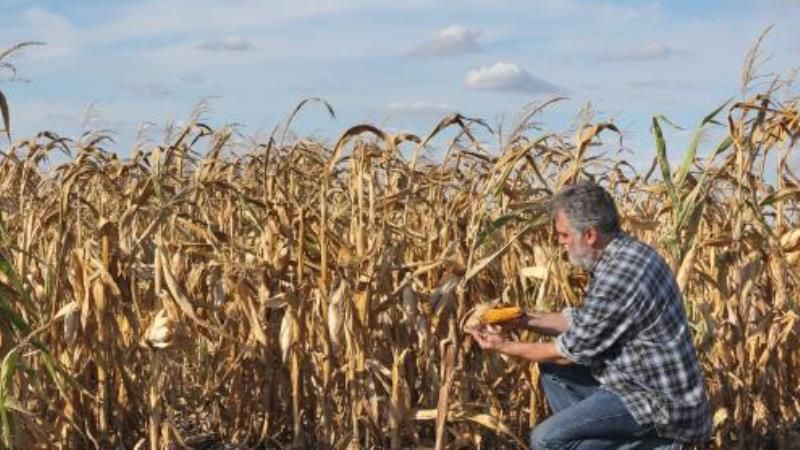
594 327
567 313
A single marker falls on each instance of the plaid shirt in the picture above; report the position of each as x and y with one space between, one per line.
632 331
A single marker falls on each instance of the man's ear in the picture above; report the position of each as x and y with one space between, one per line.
592 236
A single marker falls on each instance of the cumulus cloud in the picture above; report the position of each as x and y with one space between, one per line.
453 40
645 52
57 31
420 108
227 44
507 77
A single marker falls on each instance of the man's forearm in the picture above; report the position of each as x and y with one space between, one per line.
533 351
548 324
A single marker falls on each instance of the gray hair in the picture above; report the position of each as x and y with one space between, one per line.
587 204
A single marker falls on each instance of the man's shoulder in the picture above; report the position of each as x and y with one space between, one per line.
630 248
629 260
627 250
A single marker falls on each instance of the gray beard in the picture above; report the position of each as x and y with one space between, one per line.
582 259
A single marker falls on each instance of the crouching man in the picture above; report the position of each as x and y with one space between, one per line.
622 371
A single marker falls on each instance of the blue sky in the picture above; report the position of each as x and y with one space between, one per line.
399 65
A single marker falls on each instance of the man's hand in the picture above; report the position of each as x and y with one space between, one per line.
488 340
548 324
520 323
531 351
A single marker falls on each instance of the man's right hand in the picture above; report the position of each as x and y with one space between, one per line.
548 324
520 323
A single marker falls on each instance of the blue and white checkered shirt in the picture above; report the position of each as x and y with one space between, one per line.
632 331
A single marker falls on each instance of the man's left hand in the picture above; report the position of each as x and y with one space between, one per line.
487 340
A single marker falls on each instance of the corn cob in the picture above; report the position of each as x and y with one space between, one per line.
500 315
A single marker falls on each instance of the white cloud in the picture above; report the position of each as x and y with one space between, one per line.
144 35
227 44
507 77
645 52
453 40
420 108
547 10
53 29
153 19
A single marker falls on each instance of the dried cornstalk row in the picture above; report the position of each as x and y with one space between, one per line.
307 295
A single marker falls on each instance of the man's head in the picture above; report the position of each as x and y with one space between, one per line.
586 218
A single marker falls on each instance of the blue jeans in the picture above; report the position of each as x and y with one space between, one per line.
588 417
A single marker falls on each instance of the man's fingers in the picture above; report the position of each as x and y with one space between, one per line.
475 335
494 329
479 338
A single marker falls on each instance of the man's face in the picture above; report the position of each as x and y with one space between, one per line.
579 251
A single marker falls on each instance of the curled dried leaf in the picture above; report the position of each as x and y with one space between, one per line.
161 331
289 333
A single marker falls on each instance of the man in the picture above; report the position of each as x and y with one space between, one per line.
622 371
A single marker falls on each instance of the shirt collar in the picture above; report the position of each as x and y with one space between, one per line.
612 245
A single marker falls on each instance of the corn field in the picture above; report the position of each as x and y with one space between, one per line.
295 293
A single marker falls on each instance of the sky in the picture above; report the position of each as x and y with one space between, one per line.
404 65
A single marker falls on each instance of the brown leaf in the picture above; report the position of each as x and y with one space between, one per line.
6 117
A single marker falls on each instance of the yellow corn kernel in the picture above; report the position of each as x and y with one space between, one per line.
500 315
